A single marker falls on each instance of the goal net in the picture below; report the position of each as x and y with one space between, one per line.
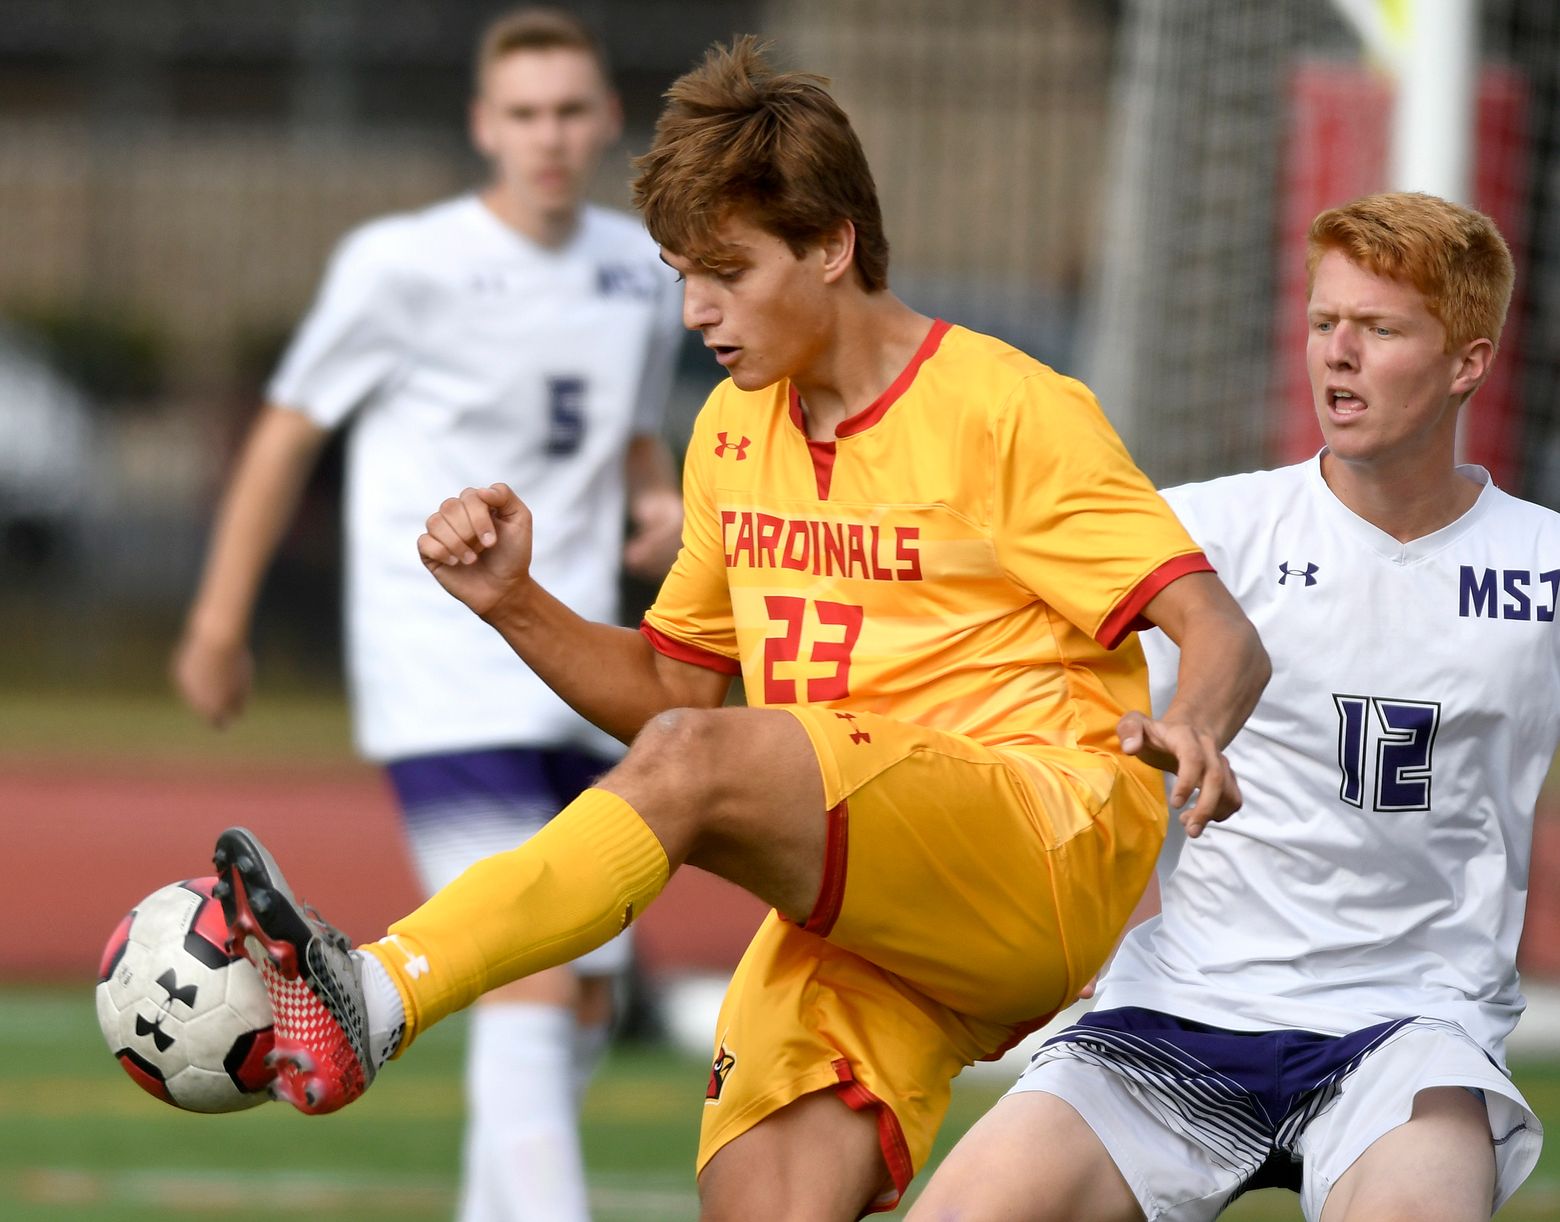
1232 126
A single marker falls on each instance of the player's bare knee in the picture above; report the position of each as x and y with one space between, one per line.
665 745
671 774
675 753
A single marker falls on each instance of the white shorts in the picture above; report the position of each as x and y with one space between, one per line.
1185 1114
459 807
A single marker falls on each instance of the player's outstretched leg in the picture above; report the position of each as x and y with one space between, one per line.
308 968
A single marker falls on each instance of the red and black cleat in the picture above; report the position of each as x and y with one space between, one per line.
308 968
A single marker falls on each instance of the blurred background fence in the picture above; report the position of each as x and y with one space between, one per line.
1116 186
1119 186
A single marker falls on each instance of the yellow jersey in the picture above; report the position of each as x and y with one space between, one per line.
971 552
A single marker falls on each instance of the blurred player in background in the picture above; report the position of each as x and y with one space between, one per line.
925 553
1325 999
515 334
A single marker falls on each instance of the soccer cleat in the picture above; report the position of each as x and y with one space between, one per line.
313 979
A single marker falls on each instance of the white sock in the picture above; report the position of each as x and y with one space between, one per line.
386 1014
523 1161
590 1045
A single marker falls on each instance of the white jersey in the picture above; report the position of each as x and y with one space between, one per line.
1379 866
466 355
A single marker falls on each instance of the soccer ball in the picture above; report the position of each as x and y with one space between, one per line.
187 1020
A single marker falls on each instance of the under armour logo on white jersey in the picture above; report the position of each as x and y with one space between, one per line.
1309 573
628 280
415 965
488 282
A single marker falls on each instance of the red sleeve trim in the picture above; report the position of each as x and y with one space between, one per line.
692 654
1128 615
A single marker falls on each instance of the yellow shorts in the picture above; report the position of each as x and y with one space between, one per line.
968 894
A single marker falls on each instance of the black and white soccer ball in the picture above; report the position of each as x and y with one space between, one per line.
189 1022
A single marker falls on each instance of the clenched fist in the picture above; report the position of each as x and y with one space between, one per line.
478 545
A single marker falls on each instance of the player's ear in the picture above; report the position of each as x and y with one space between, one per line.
838 247
614 118
1473 366
479 125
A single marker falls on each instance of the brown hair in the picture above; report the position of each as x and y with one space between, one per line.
537 29
736 135
1454 257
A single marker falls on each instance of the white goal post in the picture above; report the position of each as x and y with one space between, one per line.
1431 48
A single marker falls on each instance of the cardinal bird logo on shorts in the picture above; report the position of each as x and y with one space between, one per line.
719 1071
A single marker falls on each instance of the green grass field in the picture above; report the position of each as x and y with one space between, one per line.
79 1142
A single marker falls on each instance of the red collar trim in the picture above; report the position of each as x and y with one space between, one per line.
878 408
822 453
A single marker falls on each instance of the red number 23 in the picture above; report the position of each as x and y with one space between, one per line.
791 612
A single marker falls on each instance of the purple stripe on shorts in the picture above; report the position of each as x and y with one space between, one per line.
526 777
1273 1070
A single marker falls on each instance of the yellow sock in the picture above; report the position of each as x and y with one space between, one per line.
571 887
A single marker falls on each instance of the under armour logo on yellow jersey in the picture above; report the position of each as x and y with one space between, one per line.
856 736
739 446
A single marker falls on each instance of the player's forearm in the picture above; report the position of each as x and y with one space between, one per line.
1223 664
260 500
648 467
611 676
1223 671
655 509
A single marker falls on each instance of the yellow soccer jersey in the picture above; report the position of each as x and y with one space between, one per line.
967 553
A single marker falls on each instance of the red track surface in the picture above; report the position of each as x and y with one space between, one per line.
82 844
